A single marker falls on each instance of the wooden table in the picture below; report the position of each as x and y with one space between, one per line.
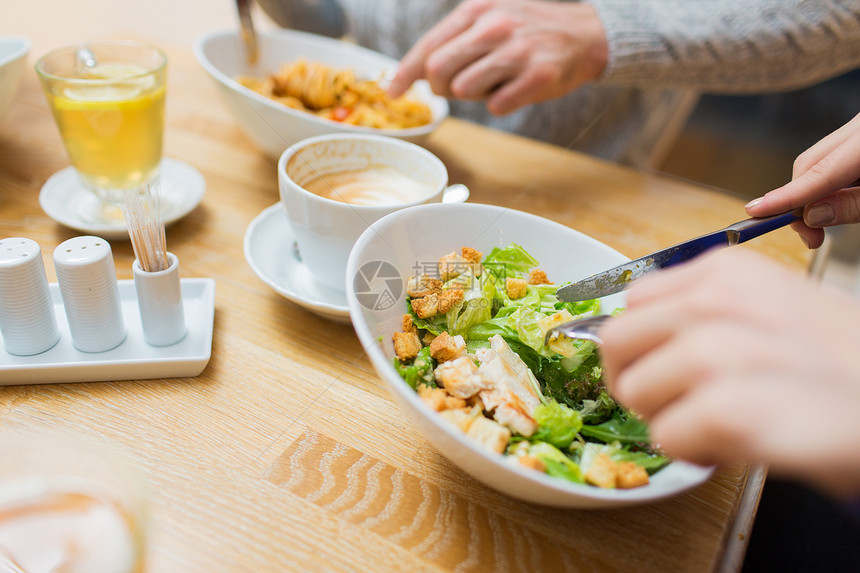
287 453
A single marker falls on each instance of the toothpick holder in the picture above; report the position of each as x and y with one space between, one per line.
159 297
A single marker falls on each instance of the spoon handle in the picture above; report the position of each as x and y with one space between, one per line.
249 36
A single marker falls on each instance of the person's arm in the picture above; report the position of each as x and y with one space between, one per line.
517 52
731 46
735 358
823 184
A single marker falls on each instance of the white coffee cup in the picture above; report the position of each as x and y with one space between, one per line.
326 228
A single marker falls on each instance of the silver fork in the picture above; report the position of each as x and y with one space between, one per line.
579 329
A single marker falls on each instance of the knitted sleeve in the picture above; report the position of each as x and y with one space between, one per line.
729 46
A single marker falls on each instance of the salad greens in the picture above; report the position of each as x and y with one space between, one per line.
571 421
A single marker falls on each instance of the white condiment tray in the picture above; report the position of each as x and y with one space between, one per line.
134 359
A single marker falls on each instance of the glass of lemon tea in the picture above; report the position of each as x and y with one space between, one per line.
69 503
108 102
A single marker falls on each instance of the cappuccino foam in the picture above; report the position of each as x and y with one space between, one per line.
374 185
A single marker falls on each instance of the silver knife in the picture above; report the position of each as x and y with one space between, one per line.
617 278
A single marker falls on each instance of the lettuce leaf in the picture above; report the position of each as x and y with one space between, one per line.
557 464
418 371
579 308
434 325
598 410
509 261
477 305
557 424
651 462
622 427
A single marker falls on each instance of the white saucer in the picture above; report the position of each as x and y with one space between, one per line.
66 201
269 251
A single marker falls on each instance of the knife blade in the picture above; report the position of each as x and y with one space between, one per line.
617 278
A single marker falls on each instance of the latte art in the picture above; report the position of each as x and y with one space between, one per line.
375 185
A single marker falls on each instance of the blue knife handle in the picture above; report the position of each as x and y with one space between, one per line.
752 228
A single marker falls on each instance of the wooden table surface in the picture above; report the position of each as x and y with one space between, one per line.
287 453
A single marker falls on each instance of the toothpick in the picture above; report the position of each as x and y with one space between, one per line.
145 227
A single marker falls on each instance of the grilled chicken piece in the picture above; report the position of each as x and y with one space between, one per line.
512 395
459 377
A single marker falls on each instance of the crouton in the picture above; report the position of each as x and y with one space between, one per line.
425 307
538 277
446 347
433 397
458 377
516 288
473 260
489 434
407 324
428 338
460 417
439 399
449 299
406 345
628 475
532 462
422 285
450 266
602 472
472 255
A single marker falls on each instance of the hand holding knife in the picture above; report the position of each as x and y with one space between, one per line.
617 278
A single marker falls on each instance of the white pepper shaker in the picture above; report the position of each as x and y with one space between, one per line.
27 320
88 284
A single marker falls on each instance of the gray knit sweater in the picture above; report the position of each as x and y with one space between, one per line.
659 52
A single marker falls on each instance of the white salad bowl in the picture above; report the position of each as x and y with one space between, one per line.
274 126
13 60
418 236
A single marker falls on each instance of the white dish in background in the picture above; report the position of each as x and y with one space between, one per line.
13 61
134 359
67 202
411 238
274 126
270 253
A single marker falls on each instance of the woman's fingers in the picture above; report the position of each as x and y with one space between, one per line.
824 147
470 65
838 169
412 64
841 208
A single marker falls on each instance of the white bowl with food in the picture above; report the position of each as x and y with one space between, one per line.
274 122
13 60
505 426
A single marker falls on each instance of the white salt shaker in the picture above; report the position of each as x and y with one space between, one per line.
27 319
159 297
88 284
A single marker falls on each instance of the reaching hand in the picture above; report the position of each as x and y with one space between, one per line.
510 52
734 358
821 175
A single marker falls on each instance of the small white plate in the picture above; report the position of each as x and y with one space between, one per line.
66 201
134 359
270 253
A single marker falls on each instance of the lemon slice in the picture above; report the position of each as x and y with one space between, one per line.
126 89
114 71
102 93
136 75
